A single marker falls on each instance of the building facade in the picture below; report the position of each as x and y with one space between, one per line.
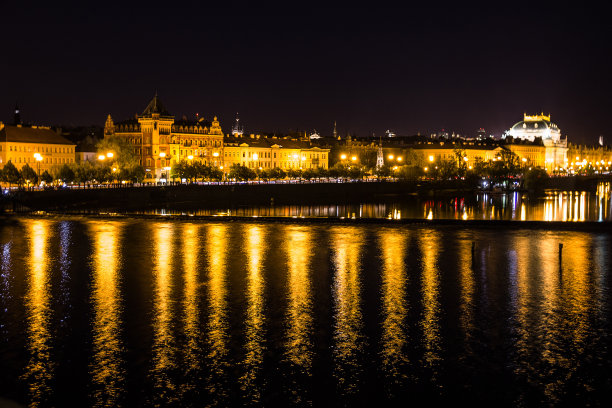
159 141
539 141
266 153
38 146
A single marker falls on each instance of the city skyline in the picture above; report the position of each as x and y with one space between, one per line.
410 71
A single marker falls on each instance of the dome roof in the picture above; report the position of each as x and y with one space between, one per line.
535 126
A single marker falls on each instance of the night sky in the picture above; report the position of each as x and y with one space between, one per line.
413 69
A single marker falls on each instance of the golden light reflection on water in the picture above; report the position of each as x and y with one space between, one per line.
255 248
551 304
299 349
578 290
348 338
39 370
164 347
191 312
217 325
393 246
430 282
107 370
468 284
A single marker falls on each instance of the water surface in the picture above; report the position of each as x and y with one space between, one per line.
144 313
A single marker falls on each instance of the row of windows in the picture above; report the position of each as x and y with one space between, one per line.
42 149
47 160
268 155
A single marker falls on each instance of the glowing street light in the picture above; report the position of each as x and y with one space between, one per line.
343 157
101 157
390 157
190 157
216 154
38 158
431 159
162 154
109 155
354 158
255 156
425 168
465 158
399 158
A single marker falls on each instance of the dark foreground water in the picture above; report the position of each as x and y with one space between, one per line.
142 313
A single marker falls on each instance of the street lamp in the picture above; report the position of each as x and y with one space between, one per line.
109 155
390 157
354 158
431 159
101 157
38 158
343 157
190 157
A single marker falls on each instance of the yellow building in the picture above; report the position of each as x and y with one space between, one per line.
22 145
539 141
599 157
267 153
159 141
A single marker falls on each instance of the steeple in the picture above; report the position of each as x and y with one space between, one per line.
17 117
380 161
109 126
237 129
335 131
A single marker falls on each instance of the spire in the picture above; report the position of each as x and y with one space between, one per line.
109 126
17 117
237 129
155 107
335 131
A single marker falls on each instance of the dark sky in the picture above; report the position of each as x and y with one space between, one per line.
412 69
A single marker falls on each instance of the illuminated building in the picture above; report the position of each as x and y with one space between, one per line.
267 153
539 142
599 158
159 141
21 145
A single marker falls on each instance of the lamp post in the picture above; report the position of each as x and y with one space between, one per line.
38 158
161 156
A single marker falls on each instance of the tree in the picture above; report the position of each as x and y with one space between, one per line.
535 179
46 177
10 174
277 173
241 173
28 174
66 174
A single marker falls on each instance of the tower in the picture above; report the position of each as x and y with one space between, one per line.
380 161
109 126
17 117
237 129
335 131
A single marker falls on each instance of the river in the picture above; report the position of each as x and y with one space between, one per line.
141 312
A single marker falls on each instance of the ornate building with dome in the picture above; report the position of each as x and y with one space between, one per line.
538 142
